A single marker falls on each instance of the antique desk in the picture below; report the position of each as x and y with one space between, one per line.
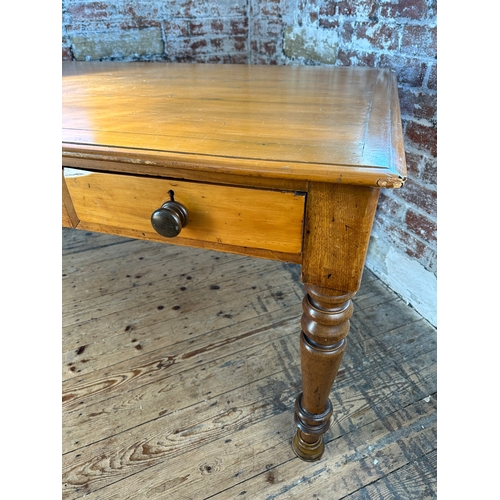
276 162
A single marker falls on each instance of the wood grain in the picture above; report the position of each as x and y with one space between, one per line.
296 122
420 475
337 231
223 215
205 409
123 164
69 217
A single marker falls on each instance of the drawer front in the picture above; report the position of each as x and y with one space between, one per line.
220 214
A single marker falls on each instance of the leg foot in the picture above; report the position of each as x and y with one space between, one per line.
309 452
325 324
308 441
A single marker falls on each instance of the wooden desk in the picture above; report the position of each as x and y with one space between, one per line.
280 162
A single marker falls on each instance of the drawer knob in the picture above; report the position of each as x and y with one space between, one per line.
170 218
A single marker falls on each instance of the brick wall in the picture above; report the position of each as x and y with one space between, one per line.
400 34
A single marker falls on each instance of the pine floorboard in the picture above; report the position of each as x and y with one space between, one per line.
180 369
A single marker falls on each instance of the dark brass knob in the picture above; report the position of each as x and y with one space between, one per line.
170 218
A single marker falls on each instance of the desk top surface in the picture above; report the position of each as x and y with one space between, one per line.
328 124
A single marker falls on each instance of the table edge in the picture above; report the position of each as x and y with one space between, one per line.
149 162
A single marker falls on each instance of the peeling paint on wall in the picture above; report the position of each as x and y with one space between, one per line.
310 44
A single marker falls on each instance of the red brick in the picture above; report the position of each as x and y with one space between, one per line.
422 137
432 80
239 58
198 44
421 225
413 164
223 9
89 11
389 206
217 26
271 28
205 27
327 24
217 59
176 27
269 7
185 9
82 27
239 26
202 48
264 46
269 48
408 70
358 8
67 55
139 24
262 58
418 40
346 8
419 195
217 43
355 7
410 9
328 9
418 104
400 237
239 43
429 171
347 31
413 247
139 15
380 36
201 58
355 58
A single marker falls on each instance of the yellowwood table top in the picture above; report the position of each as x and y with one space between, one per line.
326 124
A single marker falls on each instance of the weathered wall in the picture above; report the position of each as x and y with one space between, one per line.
397 33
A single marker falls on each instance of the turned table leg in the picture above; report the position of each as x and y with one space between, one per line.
325 324
337 231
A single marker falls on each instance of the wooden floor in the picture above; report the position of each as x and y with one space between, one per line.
181 368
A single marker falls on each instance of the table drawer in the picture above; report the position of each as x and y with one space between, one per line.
220 214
